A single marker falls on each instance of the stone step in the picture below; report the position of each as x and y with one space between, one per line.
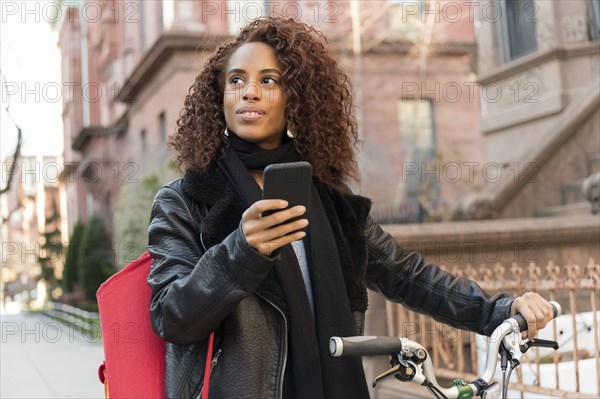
578 208
571 191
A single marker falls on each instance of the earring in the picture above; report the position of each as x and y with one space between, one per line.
289 134
226 132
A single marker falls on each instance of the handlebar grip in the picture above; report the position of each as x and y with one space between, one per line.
523 324
364 346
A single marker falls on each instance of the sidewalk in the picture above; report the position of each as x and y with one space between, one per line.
41 358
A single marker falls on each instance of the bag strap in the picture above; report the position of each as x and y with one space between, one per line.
102 376
207 367
211 340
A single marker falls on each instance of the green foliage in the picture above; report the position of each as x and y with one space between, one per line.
51 250
94 260
70 271
132 218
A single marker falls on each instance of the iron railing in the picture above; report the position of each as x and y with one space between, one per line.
575 287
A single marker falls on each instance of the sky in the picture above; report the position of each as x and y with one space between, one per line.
30 66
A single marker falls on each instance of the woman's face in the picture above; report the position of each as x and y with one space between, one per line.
254 104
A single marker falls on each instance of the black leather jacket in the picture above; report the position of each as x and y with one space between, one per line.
196 290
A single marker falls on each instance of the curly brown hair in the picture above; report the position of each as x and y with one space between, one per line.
318 94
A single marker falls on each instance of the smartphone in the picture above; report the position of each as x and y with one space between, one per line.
290 182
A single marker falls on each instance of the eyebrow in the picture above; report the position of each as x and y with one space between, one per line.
267 70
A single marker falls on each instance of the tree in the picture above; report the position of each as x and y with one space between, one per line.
15 157
94 260
132 218
51 251
70 270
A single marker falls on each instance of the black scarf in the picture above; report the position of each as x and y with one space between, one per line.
311 371
254 157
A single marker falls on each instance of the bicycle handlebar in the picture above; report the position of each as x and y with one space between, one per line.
364 346
372 345
523 324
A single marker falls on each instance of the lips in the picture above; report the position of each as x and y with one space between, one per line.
250 114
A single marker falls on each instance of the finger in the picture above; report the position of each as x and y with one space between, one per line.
523 305
274 233
536 311
256 233
539 316
542 309
282 216
529 317
275 219
537 321
260 206
547 313
251 220
271 246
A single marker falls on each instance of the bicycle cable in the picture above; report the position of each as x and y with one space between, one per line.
434 390
505 383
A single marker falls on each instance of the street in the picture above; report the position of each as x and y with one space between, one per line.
41 358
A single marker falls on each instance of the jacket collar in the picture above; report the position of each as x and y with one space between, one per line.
224 206
347 215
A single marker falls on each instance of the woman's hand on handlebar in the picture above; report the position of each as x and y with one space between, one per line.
535 310
266 234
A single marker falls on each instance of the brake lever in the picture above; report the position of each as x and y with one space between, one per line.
541 343
512 343
385 374
403 370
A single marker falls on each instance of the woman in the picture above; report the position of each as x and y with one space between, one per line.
275 94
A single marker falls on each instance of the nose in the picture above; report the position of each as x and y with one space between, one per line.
251 92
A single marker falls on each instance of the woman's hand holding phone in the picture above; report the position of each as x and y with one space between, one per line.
268 233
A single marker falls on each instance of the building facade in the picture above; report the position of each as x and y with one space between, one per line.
539 69
411 64
35 203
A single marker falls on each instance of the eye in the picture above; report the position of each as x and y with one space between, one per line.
269 80
235 80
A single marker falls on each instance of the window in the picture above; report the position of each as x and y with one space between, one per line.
418 150
594 7
241 12
162 124
517 30
406 19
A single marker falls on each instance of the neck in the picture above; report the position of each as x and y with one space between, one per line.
257 175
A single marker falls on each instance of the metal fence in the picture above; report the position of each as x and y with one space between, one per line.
455 352
86 322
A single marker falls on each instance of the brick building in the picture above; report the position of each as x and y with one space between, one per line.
134 62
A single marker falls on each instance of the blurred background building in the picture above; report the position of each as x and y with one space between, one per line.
539 67
33 203
414 67
133 61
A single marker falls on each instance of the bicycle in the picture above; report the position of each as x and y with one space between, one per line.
410 361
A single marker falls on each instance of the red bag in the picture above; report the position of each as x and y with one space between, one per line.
134 355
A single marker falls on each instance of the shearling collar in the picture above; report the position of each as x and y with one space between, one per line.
224 205
347 214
